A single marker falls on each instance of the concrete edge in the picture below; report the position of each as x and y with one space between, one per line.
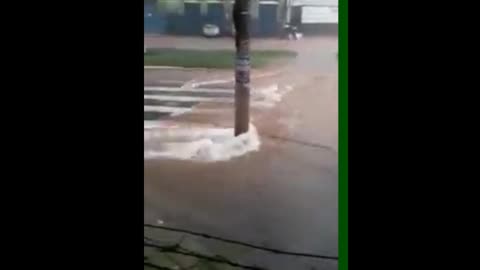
173 68
262 75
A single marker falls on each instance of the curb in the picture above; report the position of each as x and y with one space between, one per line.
267 74
173 68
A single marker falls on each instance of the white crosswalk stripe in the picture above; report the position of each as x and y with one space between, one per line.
166 109
177 89
188 98
163 102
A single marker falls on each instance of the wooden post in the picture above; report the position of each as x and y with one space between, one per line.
241 19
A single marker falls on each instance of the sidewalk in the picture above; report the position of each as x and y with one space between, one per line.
202 43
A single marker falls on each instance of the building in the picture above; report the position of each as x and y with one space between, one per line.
313 16
187 17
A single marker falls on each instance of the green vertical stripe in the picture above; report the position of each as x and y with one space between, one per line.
343 133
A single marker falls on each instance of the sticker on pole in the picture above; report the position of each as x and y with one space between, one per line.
242 69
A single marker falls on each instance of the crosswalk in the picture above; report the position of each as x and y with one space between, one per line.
163 102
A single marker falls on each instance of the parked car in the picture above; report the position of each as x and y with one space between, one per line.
211 30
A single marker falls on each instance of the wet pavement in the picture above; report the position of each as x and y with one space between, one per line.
284 196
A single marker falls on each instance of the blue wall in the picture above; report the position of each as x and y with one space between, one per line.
267 21
189 23
216 15
153 21
192 21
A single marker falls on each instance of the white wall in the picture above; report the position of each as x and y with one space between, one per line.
315 2
316 14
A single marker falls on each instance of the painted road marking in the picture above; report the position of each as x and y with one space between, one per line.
191 89
163 109
189 98
162 102
187 93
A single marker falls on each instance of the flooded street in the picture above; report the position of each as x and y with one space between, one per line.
282 196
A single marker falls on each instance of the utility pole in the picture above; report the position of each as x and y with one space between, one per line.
241 20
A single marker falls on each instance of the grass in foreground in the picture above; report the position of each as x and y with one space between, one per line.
221 59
